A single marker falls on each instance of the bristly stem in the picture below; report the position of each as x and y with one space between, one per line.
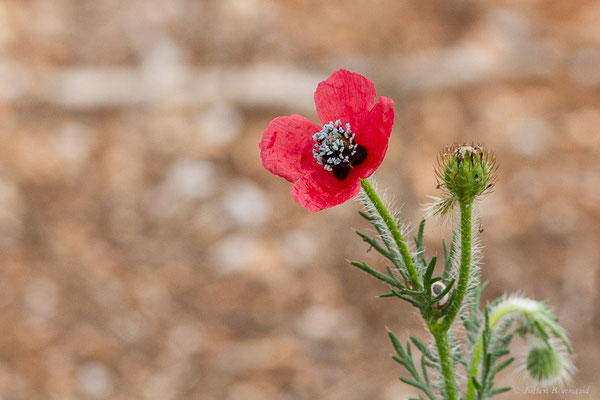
447 363
440 331
389 221
465 264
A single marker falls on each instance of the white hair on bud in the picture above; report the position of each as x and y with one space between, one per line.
567 368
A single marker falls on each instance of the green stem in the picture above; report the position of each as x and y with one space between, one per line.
440 331
389 221
446 361
500 311
465 264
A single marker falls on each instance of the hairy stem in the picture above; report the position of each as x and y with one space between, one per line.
465 264
440 331
447 363
500 311
389 221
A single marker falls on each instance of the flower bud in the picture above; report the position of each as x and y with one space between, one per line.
545 364
466 171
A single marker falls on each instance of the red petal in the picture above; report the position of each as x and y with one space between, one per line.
344 95
373 133
284 144
314 192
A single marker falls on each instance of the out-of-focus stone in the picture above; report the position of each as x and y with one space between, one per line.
160 386
190 180
510 27
73 143
244 356
11 210
584 66
527 186
14 80
530 136
246 204
184 182
129 326
220 125
95 380
41 296
234 253
168 383
582 128
163 66
184 340
154 298
298 249
580 276
559 216
253 391
320 322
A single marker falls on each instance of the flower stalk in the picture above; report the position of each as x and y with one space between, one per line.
447 363
394 230
465 264
440 331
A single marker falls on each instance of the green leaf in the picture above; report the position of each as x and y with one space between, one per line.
422 348
421 230
429 271
450 255
412 301
399 360
418 385
424 369
382 277
496 391
396 343
391 274
504 364
373 243
366 216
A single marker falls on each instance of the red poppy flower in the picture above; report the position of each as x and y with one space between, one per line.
325 163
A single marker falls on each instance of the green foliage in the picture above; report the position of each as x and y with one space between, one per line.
425 300
494 348
489 332
420 377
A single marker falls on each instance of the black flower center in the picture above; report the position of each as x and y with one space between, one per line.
336 150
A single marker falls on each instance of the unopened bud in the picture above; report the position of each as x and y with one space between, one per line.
544 363
466 171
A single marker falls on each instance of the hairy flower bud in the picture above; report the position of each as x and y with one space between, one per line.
546 364
466 171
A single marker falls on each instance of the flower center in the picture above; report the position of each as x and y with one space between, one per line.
336 150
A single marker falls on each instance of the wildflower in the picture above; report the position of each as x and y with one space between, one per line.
326 162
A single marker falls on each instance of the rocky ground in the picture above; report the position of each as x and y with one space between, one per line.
146 254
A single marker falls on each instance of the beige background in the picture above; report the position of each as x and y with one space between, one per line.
145 252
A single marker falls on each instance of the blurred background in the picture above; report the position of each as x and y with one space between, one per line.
145 252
